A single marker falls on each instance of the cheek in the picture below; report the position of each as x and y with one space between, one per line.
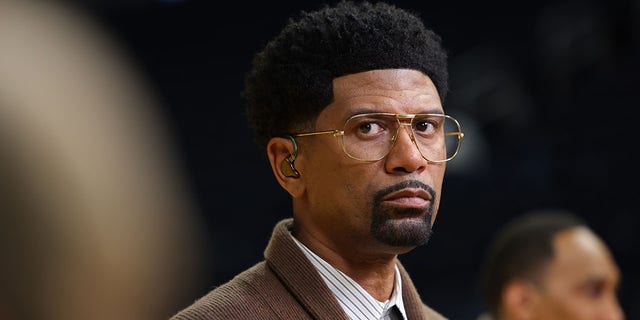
577 309
357 192
569 305
358 182
336 180
436 172
436 178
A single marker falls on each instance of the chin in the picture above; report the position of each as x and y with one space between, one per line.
403 233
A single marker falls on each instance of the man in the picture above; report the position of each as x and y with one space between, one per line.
550 265
347 101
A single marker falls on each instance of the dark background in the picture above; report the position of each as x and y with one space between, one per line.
545 92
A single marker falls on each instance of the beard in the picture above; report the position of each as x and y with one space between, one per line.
401 232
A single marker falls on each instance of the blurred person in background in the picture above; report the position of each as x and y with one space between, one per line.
549 265
95 219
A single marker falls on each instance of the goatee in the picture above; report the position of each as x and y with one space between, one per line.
387 228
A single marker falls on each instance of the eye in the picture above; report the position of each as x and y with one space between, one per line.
594 289
370 128
425 126
367 127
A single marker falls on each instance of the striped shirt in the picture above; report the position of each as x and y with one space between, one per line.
356 302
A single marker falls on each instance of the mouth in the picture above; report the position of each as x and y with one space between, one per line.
408 198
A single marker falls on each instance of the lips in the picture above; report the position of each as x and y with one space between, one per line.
409 197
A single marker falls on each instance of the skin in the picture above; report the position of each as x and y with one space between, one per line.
580 283
333 199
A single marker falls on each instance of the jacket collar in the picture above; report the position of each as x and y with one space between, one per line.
290 264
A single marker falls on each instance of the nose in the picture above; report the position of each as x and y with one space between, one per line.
615 311
404 156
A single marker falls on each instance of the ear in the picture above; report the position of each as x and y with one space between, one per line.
279 150
519 300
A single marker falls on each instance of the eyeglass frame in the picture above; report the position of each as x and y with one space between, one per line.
399 117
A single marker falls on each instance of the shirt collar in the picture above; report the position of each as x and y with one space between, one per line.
396 296
355 301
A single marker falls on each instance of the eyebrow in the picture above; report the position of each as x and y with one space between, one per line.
361 111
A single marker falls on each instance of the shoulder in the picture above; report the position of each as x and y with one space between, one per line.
243 297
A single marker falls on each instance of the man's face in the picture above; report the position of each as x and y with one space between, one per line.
581 281
387 206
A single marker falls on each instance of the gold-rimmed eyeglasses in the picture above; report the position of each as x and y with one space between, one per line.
370 136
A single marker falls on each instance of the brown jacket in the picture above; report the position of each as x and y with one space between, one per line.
286 286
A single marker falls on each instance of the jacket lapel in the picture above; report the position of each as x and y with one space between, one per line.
297 273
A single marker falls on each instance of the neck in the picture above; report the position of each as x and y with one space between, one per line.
378 282
374 273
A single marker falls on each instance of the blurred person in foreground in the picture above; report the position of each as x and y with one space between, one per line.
95 219
550 265
347 101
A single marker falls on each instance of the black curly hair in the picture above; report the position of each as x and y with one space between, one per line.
290 82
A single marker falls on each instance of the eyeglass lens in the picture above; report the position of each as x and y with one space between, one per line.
370 137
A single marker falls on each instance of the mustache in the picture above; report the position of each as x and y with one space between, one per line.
403 185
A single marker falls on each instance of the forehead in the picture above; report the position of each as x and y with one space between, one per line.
580 255
387 90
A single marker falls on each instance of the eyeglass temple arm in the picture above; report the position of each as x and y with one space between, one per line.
455 133
334 132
